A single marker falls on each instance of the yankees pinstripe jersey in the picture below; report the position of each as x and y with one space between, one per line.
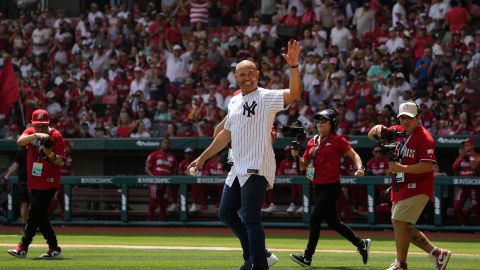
250 120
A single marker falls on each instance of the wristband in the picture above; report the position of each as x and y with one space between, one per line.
294 66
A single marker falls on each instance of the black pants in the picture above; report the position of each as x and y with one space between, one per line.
38 218
326 209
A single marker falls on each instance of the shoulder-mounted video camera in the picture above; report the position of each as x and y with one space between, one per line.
295 131
389 137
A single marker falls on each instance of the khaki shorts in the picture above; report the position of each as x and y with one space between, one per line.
409 210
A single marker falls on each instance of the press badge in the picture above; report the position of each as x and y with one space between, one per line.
37 169
400 177
310 171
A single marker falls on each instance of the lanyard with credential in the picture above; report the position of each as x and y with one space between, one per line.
314 154
310 168
402 147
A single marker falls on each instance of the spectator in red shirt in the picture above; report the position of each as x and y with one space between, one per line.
45 146
125 125
161 162
187 130
291 20
457 17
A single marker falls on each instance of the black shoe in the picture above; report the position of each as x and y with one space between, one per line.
364 249
301 260
246 266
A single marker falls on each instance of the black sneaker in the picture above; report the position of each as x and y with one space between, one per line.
301 260
246 266
364 249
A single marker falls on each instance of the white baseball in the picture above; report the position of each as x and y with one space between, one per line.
192 171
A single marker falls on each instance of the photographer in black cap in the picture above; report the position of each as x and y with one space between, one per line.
322 162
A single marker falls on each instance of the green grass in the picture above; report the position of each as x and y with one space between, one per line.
74 258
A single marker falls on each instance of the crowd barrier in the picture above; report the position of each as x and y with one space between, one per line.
125 183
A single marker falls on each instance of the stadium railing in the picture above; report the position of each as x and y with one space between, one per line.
124 185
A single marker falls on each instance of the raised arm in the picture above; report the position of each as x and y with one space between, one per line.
295 88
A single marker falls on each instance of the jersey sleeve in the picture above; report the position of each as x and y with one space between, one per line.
426 149
58 144
309 149
150 159
228 123
343 144
273 100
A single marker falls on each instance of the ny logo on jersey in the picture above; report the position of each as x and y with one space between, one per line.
249 109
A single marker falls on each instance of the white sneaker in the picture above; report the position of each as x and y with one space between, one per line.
194 208
271 259
299 210
172 207
270 209
441 258
291 208
398 266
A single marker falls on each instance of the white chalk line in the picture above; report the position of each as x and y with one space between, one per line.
82 246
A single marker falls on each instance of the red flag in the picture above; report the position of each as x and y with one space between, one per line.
9 93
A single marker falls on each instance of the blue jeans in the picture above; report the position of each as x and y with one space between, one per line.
240 210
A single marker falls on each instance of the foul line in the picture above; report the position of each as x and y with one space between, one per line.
229 249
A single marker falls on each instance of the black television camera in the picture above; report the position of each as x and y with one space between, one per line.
388 141
295 131
46 144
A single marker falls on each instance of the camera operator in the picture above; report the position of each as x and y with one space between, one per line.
322 162
413 172
45 148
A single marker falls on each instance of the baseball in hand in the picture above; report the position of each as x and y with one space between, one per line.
192 171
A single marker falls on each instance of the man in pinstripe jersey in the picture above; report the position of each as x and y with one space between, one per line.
248 129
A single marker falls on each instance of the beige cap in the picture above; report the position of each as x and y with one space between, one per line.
409 109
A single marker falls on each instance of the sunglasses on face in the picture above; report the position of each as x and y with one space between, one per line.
377 151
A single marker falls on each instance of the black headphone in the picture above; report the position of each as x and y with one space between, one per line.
419 110
332 114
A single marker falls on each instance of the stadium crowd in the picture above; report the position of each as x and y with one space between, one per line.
167 69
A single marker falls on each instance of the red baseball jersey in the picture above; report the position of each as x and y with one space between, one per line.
378 167
287 167
161 163
419 147
67 166
327 158
464 165
214 167
50 173
182 167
